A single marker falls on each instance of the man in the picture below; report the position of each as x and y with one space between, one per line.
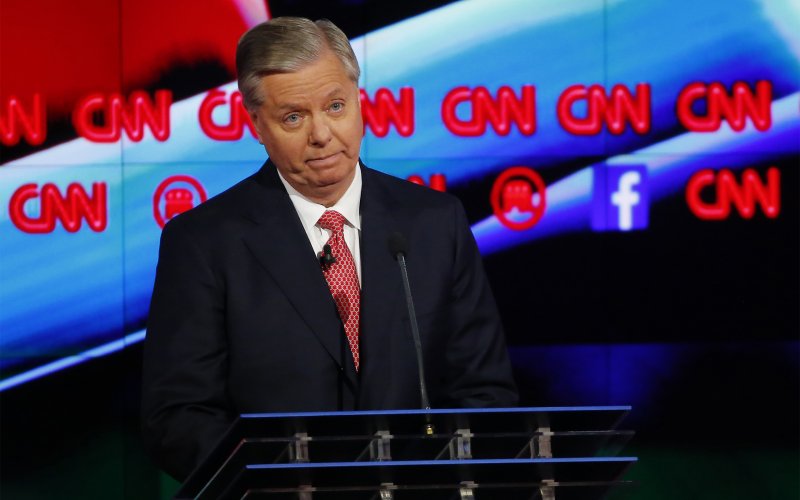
281 294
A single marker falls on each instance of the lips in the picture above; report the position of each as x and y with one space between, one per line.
324 161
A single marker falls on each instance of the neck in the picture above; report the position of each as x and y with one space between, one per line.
324 196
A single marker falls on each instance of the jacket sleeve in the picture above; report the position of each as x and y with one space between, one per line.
184 403
478 369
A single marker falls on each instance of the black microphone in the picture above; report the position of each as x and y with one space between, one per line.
326 258
398 246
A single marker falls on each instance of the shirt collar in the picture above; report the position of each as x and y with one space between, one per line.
348 205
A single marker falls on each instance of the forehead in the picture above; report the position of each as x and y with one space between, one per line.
323 79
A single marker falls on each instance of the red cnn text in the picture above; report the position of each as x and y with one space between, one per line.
499 112
617 110
238 118
744 195
385 110
71 208
115 114
23 121
734 107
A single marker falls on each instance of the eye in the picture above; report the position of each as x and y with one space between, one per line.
337 106
292 118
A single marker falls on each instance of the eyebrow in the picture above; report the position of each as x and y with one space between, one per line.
289 106
335 91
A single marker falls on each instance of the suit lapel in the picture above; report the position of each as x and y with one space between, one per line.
382 291
279 242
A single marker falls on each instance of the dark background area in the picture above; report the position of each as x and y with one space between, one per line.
682 280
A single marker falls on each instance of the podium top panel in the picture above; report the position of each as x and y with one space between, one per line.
477 420
446 411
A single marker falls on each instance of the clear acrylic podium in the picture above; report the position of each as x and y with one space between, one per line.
562 453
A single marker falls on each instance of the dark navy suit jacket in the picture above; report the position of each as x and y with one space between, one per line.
242 320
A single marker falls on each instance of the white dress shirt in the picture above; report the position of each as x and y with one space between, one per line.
349 205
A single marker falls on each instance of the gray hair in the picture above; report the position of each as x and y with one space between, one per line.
286 45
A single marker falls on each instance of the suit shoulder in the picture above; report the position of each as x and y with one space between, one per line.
409 193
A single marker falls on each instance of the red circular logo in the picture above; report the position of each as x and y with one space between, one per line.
178 195
516 192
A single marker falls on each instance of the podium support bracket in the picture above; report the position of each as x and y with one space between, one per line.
459 447
305 492
298 448
466 492
387 491
541 443
380 448
548 490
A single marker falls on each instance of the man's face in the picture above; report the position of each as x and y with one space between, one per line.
310 124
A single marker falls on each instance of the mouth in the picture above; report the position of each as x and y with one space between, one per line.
324 161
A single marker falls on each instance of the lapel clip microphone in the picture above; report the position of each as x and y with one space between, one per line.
326 258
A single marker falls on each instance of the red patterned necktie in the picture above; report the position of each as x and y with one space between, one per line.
342 279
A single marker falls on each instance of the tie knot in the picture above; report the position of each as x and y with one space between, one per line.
332 221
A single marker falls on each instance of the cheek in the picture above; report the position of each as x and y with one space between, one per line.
354 134
288 147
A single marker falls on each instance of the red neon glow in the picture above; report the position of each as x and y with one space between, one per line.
70 209
65 49
500 112
517 194
18 122
239 119
744 196
734 107
176 200
133 116
386 110
438 182
515 189
616 111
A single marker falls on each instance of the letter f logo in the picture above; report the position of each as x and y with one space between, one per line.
625 198
620 198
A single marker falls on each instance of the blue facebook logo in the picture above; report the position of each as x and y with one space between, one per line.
621 198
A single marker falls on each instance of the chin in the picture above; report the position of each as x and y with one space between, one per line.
336 173
326 181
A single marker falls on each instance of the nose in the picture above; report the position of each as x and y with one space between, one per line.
320 133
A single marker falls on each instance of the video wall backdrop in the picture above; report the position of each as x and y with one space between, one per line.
629 168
